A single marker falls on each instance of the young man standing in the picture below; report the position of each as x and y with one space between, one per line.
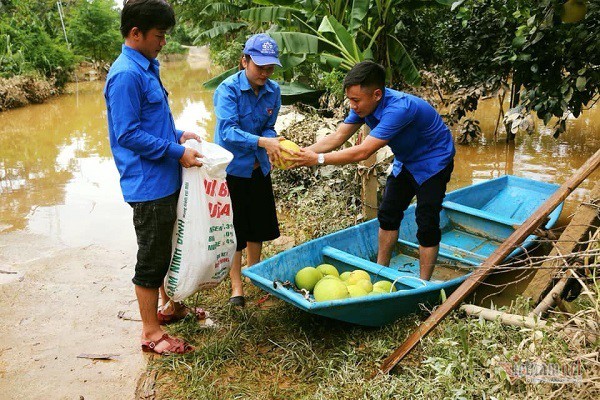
148 152
423 157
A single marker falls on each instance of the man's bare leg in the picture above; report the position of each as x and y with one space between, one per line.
148 302
427 259
387 241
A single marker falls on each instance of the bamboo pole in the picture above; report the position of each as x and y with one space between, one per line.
494 259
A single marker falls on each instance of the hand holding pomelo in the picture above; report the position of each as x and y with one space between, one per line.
284 157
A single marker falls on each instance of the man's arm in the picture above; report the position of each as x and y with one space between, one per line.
308 157
333 141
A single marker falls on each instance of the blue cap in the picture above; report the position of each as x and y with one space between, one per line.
262 49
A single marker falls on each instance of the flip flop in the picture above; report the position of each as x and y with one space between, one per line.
176 346
167 319
238 301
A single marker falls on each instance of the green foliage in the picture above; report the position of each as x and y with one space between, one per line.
226 53
173 47
556 62
554 65
30 41
93 29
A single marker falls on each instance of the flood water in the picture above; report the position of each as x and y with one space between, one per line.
57 177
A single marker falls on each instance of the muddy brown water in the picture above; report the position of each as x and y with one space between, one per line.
57 176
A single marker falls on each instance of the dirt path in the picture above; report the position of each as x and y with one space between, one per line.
62 303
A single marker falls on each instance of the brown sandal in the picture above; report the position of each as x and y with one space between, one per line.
176 346
167 319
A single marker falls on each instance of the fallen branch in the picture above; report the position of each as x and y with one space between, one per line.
552 297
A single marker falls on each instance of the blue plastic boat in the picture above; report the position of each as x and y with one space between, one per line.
475 220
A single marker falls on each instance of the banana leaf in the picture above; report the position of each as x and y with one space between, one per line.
267 14
214 82
296 92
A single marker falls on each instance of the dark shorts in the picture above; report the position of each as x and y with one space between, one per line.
399 192
154 221
254 215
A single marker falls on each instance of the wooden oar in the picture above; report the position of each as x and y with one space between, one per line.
517 237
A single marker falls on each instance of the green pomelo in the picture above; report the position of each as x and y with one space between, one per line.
357 275
284 158
331 289
307 278
366 285
377 290
356 291
328 269
326 278
384 285
345 275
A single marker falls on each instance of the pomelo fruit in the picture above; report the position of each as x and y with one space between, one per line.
378 290
357 275
307 278
284 158
573 11
328 269
384 285
365 284
326 278
345 275
331 289
356 291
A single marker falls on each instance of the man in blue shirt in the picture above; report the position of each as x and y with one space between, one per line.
423 157
246 106
148 153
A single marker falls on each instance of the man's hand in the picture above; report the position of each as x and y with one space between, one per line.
189 135
190 158
272 146
304 158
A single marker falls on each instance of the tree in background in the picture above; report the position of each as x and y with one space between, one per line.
93 29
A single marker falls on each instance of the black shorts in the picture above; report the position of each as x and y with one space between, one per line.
154 221
254 215
399 192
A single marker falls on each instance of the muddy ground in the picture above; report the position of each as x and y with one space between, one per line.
59 304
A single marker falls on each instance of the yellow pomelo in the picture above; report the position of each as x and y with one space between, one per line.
356 291
345 275
283 162
385 286
307 278
365 284
573 11
328 269
377 290
357 275
331 289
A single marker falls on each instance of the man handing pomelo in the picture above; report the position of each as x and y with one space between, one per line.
423 157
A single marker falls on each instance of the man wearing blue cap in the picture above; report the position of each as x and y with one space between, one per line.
246 106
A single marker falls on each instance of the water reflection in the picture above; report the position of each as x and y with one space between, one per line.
57 176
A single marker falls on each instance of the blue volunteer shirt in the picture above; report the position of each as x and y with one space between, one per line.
143 138
416 133
242 117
